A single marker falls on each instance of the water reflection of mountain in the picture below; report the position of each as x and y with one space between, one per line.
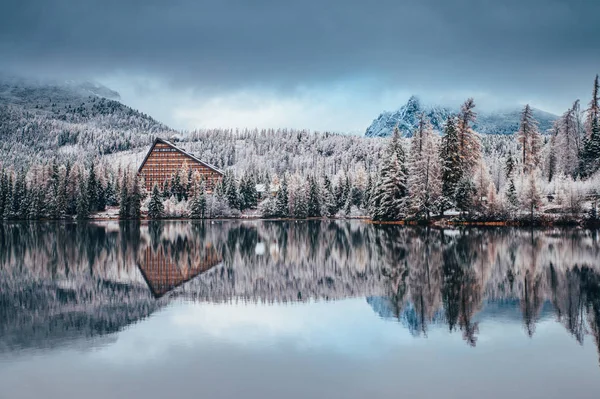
106 276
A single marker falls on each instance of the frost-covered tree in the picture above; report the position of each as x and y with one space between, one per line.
482 183
314 198
531 196
566 143
83 204
590 157
451 164
282 209
425 179
464 195
388 201
156 208
530 140
468 140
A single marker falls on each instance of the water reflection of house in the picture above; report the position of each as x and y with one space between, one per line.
163 272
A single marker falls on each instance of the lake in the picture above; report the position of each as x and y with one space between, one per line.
332 309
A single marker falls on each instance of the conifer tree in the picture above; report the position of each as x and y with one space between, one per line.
509 168
135 199
469 144
313 207
60 208
155 206
328 202
124 203
281 201
93 190
465 190
425 180
590 158
3 191
388 201
512 200
531 195
8 198
451 165
83 204
530 139
566 146
198 208
368 190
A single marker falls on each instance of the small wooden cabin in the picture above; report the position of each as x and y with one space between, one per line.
164 159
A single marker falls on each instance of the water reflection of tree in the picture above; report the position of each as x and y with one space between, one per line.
418 276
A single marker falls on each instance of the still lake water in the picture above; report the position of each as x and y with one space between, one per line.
297 310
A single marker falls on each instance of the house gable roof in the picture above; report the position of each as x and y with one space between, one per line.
181 151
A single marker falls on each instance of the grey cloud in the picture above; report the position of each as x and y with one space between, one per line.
545 46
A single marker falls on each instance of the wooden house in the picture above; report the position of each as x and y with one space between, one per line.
164 159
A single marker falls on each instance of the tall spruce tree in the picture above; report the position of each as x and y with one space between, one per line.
425 182
388 201
530 139
469 144
590 158
314 198
451 165
124 202
281 201
156 208
135 199
93 190
198 207
83 204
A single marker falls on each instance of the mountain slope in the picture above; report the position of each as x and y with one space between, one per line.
406 118
42 120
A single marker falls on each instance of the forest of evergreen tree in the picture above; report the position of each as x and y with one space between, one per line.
529 177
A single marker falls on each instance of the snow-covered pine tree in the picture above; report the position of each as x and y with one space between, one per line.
3 191
93 190
198 208
465 191
530 140
8 197
509 168
451 165
469 143
388 201
567 152
425 180
531 196
482 182
313 208
124 203
281 201
590 158
231 190
328 202
155 206
367 194
83 204
512 199
135 199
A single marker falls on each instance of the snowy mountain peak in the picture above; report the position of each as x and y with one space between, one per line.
406 118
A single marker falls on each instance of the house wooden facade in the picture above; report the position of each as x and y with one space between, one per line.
164 159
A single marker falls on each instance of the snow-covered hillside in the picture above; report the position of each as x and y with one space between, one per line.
406 117
46 119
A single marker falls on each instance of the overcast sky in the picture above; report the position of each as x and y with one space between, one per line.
318 64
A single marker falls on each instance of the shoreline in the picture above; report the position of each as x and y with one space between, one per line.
437 223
